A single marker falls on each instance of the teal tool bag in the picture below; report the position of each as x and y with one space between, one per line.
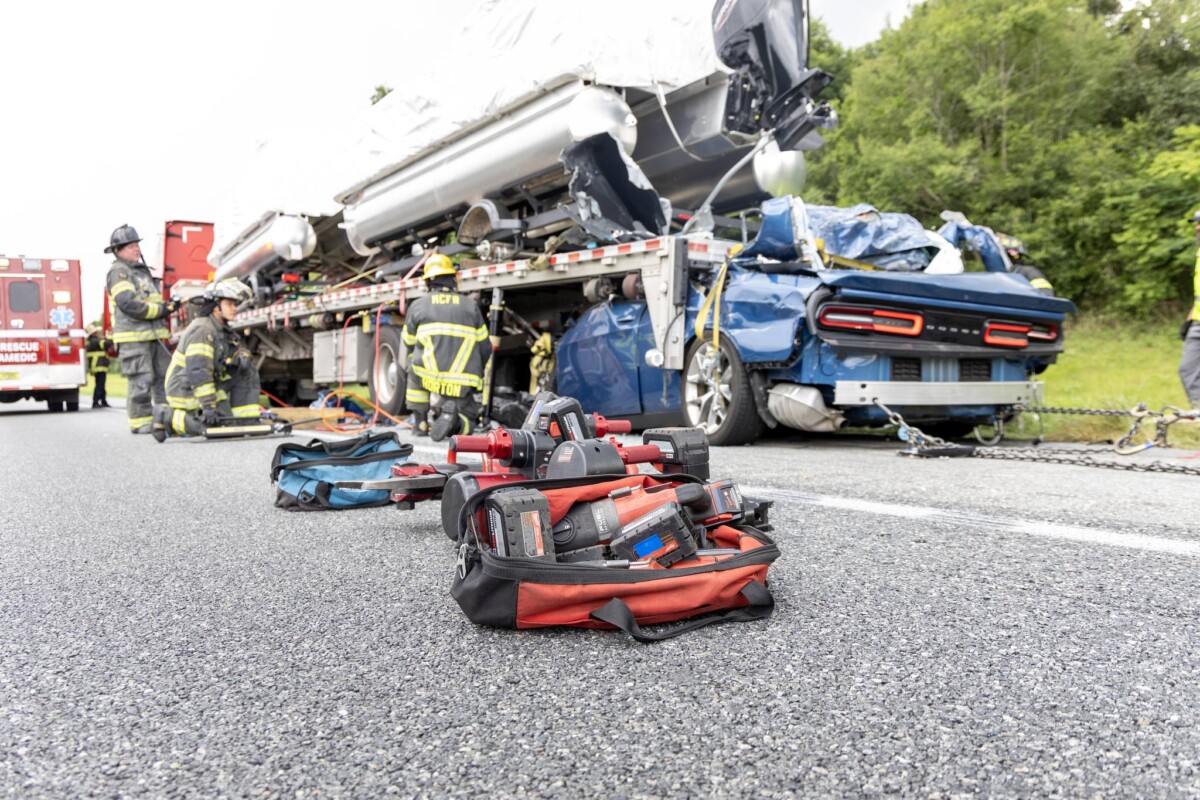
305 475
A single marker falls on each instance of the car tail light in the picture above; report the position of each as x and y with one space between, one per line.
1043 332
877 320
1006 334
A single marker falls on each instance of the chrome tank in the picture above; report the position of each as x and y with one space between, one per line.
510 149
273 239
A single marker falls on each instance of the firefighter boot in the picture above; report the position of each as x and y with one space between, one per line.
160 429
451 420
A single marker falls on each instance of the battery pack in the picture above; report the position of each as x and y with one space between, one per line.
661 535
685 450
518 522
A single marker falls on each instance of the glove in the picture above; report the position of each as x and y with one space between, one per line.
211 416
172 307
1184 328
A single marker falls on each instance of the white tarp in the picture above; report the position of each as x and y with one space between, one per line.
499 53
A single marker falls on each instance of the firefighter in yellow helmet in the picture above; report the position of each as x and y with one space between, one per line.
1021 265
211 375
448 347
97 347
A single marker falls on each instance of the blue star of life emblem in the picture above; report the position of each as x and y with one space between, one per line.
62 317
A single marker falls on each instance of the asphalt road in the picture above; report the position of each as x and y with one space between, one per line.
946 628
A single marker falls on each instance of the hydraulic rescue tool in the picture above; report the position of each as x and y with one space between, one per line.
556 440
236 427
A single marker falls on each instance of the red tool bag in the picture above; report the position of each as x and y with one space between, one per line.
504 580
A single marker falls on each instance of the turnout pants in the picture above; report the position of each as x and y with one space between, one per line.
418 399
144 364
1189 365
100 392
237 397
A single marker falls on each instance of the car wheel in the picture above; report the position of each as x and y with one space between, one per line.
387 379
717 396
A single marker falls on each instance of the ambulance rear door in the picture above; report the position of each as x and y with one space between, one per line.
24 327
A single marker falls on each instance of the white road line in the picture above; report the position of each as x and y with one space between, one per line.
1050 530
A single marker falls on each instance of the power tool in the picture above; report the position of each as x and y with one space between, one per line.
592 523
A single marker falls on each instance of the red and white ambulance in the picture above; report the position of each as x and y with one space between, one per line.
42 341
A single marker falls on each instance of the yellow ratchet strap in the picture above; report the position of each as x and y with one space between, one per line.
712 304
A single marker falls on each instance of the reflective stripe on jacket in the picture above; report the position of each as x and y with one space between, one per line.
198 370
138 307
448 343
97 354
1036 278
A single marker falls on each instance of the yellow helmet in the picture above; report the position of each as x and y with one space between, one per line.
436 266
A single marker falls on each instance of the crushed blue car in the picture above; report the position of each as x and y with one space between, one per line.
796 343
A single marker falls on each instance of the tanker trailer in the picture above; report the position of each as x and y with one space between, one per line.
508 177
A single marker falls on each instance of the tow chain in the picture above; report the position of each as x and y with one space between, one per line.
923 445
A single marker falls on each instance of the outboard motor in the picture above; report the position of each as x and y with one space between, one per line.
765 42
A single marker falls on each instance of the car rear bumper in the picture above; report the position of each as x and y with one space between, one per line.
955 393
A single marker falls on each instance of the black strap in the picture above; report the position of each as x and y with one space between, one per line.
617 614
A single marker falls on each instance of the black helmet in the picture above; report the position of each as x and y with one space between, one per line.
120 237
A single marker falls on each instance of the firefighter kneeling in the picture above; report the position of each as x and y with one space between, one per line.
448 349
211 375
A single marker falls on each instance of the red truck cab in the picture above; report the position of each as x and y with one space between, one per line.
42 341
186 272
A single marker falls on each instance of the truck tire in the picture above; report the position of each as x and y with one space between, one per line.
71 399
723 407
55 406
387 377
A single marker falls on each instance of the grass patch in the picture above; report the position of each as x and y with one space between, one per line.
1109 364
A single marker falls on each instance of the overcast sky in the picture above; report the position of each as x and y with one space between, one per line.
140 112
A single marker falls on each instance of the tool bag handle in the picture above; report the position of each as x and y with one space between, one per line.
618 614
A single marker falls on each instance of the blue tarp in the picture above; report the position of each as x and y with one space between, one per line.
890 241
893 242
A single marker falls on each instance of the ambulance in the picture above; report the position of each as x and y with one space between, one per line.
42 341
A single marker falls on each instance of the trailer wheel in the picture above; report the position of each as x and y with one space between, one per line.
717 395
387 378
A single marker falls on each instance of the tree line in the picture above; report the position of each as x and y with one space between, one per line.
1072 124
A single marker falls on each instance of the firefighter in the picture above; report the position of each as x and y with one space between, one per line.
1021 265
97 356
139 327
448 348
211 374
1189 364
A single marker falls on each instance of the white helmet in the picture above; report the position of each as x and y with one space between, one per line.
230 289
